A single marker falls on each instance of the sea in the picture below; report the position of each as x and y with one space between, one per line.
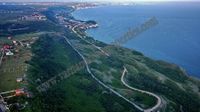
175 39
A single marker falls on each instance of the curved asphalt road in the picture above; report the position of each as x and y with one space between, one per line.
100 82
142 91
122 78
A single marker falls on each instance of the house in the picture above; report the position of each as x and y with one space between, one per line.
5 47
9 38
14 42
19 92
19 79
9 53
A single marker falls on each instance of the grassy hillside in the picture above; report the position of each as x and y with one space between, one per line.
79 93
165 79
177 90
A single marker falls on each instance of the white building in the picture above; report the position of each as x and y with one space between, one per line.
9 53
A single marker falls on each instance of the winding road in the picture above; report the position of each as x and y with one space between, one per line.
100 82
152 109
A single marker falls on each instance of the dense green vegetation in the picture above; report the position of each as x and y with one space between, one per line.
10 25
16 28
50 57
144 73
79 93
172 71
169 89
62 10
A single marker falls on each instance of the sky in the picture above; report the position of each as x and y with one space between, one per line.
91 0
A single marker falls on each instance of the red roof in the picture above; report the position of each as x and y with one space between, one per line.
19 92
6 47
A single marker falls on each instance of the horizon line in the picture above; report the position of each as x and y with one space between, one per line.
53 1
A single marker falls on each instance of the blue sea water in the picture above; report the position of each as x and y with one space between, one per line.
175 39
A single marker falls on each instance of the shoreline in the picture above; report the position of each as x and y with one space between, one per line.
167 61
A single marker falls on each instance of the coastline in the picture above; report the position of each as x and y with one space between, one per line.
154 58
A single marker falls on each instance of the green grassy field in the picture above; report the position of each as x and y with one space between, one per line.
14 66
77 93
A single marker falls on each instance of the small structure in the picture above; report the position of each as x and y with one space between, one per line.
19 79
16 50
9 38
19 92
9 53
28 45
5 47
14 42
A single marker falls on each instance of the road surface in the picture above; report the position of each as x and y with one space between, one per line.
122 78
99 48
152 109
100 82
